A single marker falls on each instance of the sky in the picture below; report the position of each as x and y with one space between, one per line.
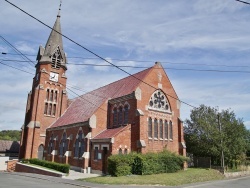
204 47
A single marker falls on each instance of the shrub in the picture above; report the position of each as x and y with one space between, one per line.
120 165
52 165
142 164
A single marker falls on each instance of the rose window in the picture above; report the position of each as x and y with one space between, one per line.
159 101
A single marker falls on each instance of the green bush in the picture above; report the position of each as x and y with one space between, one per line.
52 165
142 164
120 165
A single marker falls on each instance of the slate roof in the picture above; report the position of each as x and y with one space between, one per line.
83 107
109 133
7 146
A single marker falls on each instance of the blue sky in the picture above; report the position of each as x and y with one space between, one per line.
195 34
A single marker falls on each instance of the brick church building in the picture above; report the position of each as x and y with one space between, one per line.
139 113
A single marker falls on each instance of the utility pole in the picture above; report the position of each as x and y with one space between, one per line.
221 143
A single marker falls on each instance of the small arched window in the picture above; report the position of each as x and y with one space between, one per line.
51 144
51 96
50 108
166 129
120 116
125 151
150 127
79 145
120 151
55 96
126 114
155 128
171 130
46 108
161 129
54 110
63 145
115 116
47 94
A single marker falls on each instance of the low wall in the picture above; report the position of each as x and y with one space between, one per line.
20 167
3 162
236 174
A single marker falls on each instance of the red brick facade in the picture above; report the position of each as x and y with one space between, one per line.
138 113
120 125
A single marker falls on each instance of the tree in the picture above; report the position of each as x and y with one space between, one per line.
209 132
13 135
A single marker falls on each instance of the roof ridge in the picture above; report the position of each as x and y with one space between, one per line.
116 82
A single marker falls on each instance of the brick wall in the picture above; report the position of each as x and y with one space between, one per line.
31 169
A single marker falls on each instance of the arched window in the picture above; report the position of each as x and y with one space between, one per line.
125 151
51 144
79 145
120 116
54 110
171 130
166 129
155 128
126 114
120 151
55 96
50 108
150 127
51 96
56 59
47 94
161 129
158 101
63 145
46 108
115 116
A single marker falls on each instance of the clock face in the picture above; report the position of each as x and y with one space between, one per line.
53 77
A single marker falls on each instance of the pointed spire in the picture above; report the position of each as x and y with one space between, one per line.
54 43
59 11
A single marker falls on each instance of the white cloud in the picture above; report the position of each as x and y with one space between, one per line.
194 32
25 47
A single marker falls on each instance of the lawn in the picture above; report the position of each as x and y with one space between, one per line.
190 175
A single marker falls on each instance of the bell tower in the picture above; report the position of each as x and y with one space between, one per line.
48 98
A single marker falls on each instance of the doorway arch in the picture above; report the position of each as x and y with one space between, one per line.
40 152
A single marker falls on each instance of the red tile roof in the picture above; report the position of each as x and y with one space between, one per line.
83 107
109 133
7 146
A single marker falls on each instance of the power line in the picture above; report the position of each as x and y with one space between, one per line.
144 67
96 54
146 61
243 2
15 68
63 85
13 47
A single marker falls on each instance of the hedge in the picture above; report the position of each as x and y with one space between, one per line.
142 164
48 164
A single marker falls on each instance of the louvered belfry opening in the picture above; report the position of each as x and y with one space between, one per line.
56 59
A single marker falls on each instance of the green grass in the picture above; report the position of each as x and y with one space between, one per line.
191 175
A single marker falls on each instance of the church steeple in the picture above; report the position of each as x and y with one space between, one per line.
48 98
53 52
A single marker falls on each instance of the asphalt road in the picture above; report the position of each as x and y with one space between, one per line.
22 180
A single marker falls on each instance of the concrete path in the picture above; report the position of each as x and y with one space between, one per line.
73 175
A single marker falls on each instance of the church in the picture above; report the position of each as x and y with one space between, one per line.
139 113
